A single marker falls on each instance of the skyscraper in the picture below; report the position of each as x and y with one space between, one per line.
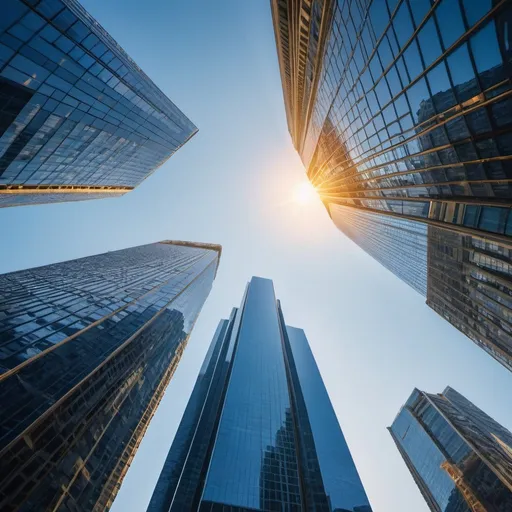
401 111
460 458
259 431
78 118
87 348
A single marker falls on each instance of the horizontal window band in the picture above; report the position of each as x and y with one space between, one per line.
62 189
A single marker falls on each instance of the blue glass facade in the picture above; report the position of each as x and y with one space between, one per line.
78 118
87 348
401 111
259 432
400 245
332 481
459 457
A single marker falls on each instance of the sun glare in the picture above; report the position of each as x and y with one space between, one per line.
304 192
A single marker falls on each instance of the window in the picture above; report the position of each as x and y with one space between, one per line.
429 42
463 76
471 215
403 24
476 10
492 219
449 20
485 49
413 60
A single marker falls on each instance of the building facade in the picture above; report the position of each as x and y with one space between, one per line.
460 458
259 431
87 348
401 111
78 118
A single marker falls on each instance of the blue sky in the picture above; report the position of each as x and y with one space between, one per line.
373 337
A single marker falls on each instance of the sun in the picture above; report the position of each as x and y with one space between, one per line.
304 192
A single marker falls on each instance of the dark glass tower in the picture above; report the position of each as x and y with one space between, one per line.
259 432
460 458
87 348
78 118
401 111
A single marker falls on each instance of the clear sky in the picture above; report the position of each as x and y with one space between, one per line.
373 337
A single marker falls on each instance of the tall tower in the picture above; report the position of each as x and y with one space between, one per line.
78 118
460 458
401 111
259 431
87 348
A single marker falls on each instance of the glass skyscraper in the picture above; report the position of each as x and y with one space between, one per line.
78 118
460 458
259 432
401 111
87 348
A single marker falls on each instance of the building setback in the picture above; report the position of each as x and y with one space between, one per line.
87 348
78 118
460 458
259 432
401 111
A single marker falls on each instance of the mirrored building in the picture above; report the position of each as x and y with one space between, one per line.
259 432
460 458
87 348
78 118
401 111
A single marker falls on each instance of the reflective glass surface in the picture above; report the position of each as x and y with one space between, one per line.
259 432
411 105
436 436
255 444
398 244
87 348
75 110
181 453
470 284
407 123
338 484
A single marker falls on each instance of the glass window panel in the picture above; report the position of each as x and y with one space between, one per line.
382 92
49 33
413 60
90 41
419 9
502 112
479 123
64 44
429 42
492 219
375 68
394 81
463 76
403 24
417 95
33 21
50 7
476 9
485 48
466 151
471 215
386 57
449 19
64 20
12 13
440 88
457 129
21 32
78 31
379 17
